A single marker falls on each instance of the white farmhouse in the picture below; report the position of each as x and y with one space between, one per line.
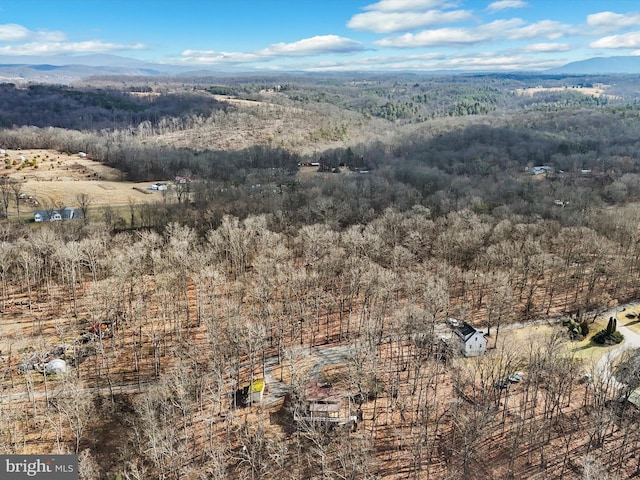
472 342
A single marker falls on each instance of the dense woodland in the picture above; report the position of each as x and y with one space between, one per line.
259 266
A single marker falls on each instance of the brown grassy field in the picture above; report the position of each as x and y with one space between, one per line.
56 179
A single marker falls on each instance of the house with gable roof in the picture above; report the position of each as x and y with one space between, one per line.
472 342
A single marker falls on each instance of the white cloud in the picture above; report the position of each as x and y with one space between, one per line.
505 4
395 59
390 22
210 57
405 5
451 36
635 53
318 45
407 62
53 48
545 28
49 36
547 47
627 40
485 61
606 22
13 32
313 46
19 40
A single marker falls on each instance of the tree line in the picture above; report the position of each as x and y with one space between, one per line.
95 109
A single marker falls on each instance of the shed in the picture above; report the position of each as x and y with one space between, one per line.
255 391
250 393
55 367
540 169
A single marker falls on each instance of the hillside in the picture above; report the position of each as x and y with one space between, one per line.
316 238
600 66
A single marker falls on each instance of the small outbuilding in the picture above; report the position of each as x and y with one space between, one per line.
255 391
250 393
540 169
55 367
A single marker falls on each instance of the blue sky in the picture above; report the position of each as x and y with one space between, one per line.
318 35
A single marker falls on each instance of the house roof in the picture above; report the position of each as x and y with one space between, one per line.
465 331
321 392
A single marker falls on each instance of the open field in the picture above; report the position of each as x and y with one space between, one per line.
598 91
57 178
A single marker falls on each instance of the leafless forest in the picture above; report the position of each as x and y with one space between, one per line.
322 231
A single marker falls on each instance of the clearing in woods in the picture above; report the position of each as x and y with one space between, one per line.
56 179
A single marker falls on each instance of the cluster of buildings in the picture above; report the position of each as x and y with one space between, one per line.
66 213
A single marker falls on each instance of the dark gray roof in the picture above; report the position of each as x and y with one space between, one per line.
465 331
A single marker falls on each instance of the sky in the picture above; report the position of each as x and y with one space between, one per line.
324 35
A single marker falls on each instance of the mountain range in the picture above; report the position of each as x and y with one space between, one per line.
67 69
601 65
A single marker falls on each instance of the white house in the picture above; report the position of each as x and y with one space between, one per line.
472 342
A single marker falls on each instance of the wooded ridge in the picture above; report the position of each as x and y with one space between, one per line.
315 239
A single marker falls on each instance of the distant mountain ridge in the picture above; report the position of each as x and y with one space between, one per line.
67 69
601 65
